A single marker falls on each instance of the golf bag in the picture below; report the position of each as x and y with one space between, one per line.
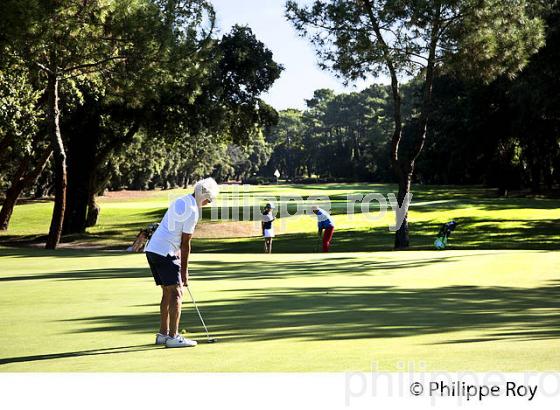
443 234
142 238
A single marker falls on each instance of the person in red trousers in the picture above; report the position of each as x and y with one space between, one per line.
325 226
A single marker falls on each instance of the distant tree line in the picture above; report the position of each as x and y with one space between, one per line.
504 133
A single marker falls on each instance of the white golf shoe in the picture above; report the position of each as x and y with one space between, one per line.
161 339
179 341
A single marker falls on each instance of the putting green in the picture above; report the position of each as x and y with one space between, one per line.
459 310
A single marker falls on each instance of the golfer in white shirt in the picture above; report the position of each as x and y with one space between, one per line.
168 255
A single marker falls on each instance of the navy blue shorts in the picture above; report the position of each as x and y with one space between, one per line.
166 270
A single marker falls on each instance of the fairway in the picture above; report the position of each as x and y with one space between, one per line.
486 221
460 310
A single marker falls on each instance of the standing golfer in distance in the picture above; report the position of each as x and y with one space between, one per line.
267 229
168 256
324 223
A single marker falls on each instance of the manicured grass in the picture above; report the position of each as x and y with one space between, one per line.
486 222
489 302
459 310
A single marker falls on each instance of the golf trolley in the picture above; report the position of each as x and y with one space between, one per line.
143 238
444 232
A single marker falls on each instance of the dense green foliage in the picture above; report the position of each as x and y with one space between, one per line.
418 38
151 96
146 94
344 136
504 133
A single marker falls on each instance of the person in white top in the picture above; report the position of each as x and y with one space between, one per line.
267 229
168 256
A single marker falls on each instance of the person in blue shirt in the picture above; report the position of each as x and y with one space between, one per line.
325 225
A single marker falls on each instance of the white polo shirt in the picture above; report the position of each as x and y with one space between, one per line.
181 217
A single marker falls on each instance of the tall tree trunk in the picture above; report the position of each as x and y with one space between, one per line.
81 189
85 154
93 211
405 169
401 236
22 179
60 183
402 240
83 135
12 194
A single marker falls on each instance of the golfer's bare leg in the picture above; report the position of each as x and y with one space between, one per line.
164 312
175 300
269 245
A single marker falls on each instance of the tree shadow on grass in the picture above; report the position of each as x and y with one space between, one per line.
205 269
64 355
344 313
84 274
26 252
209 269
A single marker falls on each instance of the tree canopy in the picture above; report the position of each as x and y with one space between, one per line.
144 94
485 38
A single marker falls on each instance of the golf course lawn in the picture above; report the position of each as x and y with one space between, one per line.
485 221
455 310
491 301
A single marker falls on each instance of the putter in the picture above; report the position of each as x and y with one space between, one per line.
209 339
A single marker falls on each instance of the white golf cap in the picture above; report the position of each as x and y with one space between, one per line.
314 208
206 188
